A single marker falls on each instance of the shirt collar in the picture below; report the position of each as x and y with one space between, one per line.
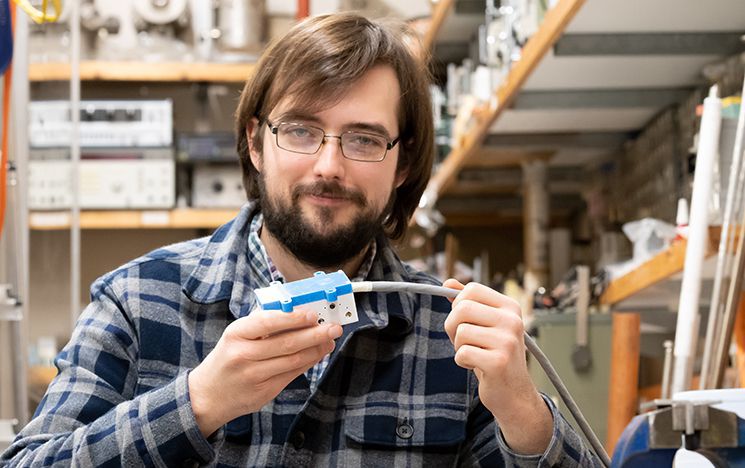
234 262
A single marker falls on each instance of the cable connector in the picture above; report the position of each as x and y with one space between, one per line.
330 295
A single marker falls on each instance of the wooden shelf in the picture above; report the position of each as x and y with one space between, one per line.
440 12
553 25
144 71
133 219
660 267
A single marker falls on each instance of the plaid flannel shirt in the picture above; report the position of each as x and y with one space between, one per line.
391 395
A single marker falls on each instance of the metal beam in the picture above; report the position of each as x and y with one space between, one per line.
470 7
600 98
506 204
559 140
693 43
451 52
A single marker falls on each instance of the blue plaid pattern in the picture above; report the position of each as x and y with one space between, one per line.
391 395
256 248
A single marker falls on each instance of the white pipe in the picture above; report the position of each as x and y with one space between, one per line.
686 332
724 258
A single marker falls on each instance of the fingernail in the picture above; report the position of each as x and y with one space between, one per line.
310 316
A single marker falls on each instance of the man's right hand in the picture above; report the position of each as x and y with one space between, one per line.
256 357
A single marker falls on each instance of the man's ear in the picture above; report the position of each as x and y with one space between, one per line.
251 128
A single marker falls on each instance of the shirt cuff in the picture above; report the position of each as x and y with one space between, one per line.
553 451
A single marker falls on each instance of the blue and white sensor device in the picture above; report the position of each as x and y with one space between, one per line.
329 295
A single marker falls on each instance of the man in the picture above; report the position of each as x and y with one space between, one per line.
173 363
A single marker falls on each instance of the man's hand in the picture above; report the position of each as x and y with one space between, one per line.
486 329
256 357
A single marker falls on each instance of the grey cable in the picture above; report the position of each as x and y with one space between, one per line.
553 376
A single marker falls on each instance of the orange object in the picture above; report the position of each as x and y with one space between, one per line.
623 389
740 340
303 9
4 142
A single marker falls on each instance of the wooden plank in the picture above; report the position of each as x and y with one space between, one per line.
144 71
134 219
663 265
624 375
441 10
553 25
487 157
659 267
451 254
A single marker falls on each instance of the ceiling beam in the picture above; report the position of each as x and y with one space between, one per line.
691 43
600 98
507 204
558 140
490 157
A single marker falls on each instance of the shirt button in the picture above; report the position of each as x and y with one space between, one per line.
404 430
298 440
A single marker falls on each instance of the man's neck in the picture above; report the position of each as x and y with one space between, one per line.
293 269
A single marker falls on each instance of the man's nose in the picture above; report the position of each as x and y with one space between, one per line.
330 162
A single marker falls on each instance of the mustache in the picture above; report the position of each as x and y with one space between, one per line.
329 189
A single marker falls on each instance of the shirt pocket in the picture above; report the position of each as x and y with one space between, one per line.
389 433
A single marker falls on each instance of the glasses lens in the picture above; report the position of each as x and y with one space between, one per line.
299 138
363 146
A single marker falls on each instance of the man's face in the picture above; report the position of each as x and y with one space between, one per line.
325 208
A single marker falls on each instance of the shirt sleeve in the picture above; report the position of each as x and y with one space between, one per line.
92 413
486 445
566 448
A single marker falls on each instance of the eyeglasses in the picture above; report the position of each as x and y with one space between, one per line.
307 139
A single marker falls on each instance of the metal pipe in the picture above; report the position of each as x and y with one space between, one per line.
19 151
724 258
667 370
728 317
75 163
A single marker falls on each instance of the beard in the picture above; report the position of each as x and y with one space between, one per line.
322 250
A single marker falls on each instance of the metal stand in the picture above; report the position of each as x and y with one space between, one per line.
14 296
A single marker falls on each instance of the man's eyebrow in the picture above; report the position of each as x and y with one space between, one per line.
368 127
298 116
294 115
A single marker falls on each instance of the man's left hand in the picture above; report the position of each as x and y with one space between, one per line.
486 329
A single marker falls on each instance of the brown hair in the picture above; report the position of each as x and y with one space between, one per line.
316 62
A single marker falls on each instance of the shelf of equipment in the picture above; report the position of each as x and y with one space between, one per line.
662 266
551 28
144 71
180 218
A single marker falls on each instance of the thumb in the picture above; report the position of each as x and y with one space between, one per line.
453 283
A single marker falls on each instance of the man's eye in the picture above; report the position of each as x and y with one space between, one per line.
363 140
299 132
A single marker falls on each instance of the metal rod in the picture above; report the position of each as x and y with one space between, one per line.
724 257
728 317
667 370
19 152
75 163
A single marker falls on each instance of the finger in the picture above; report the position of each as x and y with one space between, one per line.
260 323
263 370
468 311
292 341
486 361
487 338
453 283
485 295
